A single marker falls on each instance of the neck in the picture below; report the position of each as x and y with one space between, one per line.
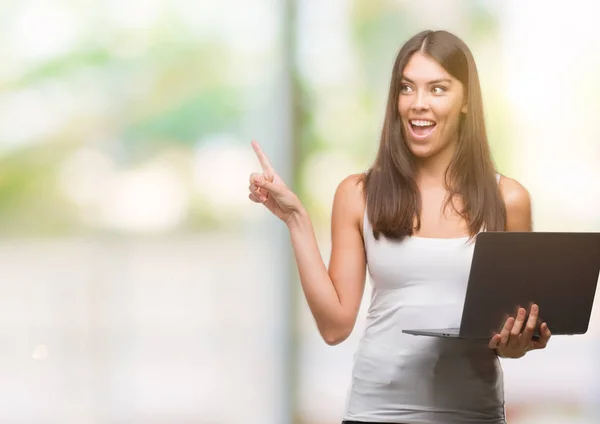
432 170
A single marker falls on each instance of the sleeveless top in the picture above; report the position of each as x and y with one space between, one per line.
400 378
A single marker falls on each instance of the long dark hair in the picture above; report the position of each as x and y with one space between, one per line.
392 196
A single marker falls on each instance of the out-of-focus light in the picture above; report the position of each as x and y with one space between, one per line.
43 30
87 177
249 32
325 50
31 114
322 174
40 352
150 198
133 14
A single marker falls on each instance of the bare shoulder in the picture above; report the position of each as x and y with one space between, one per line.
349 200
350 192
518 205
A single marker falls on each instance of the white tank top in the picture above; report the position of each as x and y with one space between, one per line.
399 378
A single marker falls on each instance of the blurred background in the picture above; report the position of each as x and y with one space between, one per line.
138 284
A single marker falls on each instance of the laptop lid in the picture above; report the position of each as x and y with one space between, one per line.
558 271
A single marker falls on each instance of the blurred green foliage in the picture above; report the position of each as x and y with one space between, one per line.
168 89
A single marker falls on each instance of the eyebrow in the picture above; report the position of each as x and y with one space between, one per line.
437 81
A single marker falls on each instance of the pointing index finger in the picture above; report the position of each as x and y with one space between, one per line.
263 159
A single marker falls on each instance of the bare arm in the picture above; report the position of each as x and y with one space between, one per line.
333 295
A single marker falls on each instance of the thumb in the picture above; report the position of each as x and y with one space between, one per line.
495 342
271 187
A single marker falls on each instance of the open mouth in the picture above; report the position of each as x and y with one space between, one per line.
421 128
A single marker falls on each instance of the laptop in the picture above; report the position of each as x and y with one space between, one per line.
557 271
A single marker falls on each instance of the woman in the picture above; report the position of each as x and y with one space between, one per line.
413 218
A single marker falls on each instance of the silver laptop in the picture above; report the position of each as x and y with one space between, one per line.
557 271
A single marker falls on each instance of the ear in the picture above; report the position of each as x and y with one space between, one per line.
464 108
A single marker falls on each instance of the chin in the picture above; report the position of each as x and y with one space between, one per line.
421 151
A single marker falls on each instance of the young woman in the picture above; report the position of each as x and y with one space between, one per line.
413 218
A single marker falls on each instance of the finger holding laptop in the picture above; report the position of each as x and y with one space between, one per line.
516 337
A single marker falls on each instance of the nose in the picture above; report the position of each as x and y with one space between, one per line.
420 101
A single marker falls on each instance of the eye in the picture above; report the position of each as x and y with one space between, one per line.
438 89
405 88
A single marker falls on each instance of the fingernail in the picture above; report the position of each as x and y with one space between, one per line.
534 308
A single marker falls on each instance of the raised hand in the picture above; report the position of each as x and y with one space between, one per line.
514 343
270 190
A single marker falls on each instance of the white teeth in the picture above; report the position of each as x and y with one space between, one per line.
421 123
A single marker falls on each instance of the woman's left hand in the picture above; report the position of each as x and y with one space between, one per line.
514 343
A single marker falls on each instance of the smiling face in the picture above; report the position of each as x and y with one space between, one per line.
430 103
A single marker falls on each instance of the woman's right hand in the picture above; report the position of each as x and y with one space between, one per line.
269 189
